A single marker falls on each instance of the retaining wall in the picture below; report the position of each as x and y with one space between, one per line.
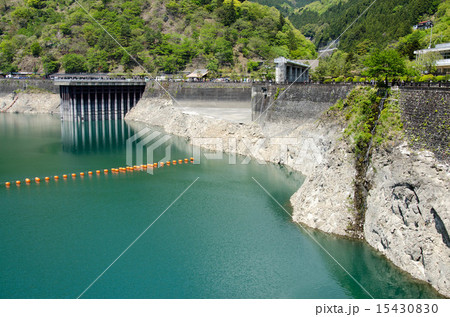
426 118
8 86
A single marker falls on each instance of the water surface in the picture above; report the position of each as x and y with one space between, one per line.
224 238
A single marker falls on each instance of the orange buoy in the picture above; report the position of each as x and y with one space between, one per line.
155 164
168 163
17 183
180 161
192 159
97 171
74 175
143 166
47 179
27 180
56 177
81 174
64 176
174 162
186 161
89 173
105 171
37 179
8 184
161 164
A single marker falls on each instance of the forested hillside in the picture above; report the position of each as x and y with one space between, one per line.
285 6
163 35
384 23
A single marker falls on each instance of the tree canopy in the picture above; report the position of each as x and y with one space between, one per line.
161 35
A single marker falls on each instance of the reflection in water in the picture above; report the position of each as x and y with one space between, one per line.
381 279
94 136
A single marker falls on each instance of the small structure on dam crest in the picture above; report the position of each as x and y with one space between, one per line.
288 71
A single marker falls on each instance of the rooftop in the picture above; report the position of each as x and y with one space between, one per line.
437 48
283 60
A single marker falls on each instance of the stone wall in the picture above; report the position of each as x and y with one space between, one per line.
8 86
296 103
426 118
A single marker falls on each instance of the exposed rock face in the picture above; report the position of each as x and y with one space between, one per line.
408 217
30 103
324 200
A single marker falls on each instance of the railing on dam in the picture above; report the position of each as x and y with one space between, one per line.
88 98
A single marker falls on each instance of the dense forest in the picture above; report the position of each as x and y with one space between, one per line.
384 23
163 35
285 6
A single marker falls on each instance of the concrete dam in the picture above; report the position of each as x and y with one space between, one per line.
93 99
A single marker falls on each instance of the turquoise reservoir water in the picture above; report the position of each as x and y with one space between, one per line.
224 238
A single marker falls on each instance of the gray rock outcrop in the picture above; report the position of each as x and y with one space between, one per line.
408 217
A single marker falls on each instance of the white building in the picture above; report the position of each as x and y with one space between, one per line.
288 71
442 65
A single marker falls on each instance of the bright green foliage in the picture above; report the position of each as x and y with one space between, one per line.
163 35
384 64
338 64
360 112
252 66
50 64
36 49
73 63
7 51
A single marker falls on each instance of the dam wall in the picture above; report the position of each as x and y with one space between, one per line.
294 103
202 94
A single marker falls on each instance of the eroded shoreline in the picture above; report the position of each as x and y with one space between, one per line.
317 150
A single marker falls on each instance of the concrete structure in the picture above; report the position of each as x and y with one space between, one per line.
98 98
289 71
442 65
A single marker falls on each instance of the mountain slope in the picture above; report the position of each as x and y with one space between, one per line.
163 35
385 22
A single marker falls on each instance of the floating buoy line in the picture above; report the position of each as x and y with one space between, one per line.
105 171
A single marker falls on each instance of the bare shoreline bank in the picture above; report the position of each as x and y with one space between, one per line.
30 102
316 150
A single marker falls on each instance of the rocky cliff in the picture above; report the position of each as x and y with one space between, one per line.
407 217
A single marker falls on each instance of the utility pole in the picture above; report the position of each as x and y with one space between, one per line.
431 34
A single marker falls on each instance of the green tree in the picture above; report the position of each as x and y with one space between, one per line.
97 61
427 62
36 49
224 51
74 63
213 65
386 63
7 51
252 66
38 4
51 65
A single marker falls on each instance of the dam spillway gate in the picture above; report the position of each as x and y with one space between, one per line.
94 99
